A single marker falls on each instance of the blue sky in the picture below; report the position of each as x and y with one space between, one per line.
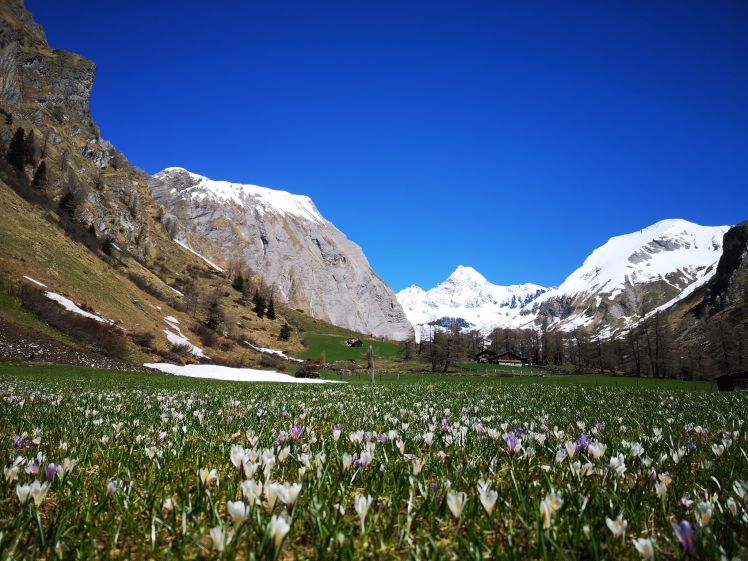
514 137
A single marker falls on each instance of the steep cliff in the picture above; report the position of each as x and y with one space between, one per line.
308 262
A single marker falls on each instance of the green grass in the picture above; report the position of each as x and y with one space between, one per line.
132 441
103 379
335 349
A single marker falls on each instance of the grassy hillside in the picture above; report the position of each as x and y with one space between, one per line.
335 349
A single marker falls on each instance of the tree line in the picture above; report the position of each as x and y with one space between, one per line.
650 349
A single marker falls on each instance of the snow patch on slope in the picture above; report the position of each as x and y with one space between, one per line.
277 353
71 306
208 261
175 336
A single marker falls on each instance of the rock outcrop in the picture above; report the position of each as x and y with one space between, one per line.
302 256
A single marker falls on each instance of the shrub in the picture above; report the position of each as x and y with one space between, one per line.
273 361
208 337
144 339
285 332
308 369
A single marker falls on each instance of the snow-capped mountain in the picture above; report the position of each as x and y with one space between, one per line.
466 294
628 277
309 263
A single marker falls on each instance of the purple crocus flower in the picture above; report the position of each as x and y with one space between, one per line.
600 425
282 437
518 432
357 463
284 413
434 487
229 419
111 488
511 442
382 438
582 443
684 532
50 470
16 440
577 414
337 426
690 446
161 437
32 468
296 432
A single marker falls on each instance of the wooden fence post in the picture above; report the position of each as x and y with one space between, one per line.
371 364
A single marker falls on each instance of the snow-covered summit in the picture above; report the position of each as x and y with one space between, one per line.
468 295
654 253
658 264
262 199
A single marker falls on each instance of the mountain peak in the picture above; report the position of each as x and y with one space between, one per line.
464 274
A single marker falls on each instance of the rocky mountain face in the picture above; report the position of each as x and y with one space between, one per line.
46 93
308 262
710 324
620 283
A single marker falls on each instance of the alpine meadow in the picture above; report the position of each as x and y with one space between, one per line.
195 366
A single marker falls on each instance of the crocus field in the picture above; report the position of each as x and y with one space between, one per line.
141 466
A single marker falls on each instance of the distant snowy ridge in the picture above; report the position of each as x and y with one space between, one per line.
662 263
466 294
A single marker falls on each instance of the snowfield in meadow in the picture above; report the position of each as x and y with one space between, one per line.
215 372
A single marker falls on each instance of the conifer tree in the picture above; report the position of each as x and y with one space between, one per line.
16 150
40 176
271 309
29 148
259 305
238 282
285 332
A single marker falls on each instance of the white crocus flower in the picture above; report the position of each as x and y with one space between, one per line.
237 510
273 492
571 448
220 538
645 547
23 492
361 504
251 491
347 461
278 528
39 491
548 508
456 502
704 512
488 496
596 450
618 464
617 526
237 455
291 493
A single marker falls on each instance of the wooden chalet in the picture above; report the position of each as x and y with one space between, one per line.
508 358
484 356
